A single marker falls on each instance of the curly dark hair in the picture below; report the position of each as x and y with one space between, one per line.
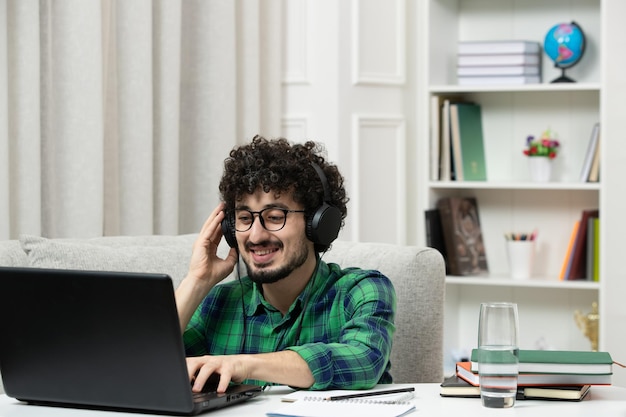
277 165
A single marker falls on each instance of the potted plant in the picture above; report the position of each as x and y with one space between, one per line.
541 151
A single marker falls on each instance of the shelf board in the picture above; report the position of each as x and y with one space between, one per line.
504 281
544 87
515 185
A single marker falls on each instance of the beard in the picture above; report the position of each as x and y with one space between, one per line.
269 276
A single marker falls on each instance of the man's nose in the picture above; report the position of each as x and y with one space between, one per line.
257 232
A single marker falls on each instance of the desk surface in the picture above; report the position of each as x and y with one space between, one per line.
605 401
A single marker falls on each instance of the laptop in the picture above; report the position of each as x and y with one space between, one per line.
100 340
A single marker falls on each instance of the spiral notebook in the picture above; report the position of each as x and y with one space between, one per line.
316 404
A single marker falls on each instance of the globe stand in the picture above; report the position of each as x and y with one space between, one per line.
563 78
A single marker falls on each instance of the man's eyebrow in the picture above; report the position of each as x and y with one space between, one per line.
272 205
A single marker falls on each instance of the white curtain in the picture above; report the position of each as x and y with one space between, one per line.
116 115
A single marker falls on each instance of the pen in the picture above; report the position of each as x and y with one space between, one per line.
370 394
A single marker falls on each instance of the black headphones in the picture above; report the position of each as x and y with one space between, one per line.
322 227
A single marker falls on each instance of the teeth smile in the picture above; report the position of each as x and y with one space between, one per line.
263 252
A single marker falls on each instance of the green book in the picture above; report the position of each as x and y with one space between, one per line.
596 249
559 362
470 138
590 252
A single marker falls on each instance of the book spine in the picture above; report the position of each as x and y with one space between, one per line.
498 60
591 231
434 233
579 255
445 167
447 227
594 173
596 249
455 140
435 137
492 70
568 252
472 151
501 80
590 154
498 47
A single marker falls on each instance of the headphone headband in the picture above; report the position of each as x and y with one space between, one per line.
324 181
322 227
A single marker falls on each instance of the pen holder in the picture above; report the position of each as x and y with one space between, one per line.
521 254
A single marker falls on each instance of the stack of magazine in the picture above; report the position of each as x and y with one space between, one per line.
499 62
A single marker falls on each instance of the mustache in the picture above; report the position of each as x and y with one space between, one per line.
264 243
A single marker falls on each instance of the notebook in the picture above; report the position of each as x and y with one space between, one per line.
379 402
101 340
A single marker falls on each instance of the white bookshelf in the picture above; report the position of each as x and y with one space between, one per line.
509 201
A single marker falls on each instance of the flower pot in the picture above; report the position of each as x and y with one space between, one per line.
540 168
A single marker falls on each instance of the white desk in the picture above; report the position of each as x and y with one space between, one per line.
601 401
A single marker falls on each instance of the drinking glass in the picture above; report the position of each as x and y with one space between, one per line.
498 354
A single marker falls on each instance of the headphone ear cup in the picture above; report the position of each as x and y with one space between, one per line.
228 230
323 226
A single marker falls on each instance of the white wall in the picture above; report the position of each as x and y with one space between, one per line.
348 83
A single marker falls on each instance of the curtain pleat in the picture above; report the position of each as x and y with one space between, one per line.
111 148
119 114
208 119
135 116
72 127
24 132
5 218
166 75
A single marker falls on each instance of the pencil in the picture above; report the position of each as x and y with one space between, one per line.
370 394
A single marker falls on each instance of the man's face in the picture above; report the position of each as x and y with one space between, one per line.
273 255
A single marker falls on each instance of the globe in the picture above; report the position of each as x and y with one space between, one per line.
565 45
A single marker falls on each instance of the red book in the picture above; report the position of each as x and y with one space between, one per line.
464 371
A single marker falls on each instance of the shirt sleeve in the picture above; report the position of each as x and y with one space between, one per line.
213 328
193 336
360 358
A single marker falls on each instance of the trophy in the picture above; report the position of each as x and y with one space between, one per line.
588 323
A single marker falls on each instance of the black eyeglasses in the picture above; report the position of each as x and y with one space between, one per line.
272 218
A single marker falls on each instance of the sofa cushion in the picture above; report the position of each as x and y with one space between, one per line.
11 253
160 254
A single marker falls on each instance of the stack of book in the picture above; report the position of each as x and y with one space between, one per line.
591 165
543 374
581 258
499 62
457 143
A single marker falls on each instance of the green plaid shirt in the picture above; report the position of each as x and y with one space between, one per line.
345 333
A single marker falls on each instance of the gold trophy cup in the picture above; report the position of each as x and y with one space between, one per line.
588 323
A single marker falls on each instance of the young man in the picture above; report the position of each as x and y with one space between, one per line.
294 319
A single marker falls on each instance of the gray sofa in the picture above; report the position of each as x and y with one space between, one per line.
417 273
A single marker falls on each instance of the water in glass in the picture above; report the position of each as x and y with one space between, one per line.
498 369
